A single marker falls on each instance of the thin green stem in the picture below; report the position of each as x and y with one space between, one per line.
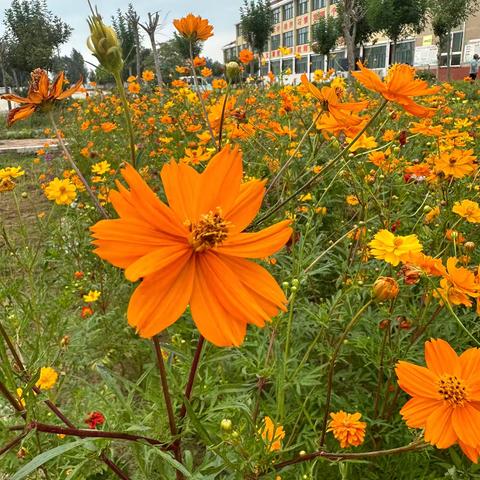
127 115
313 179
331 369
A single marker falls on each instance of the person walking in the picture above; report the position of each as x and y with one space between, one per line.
474 64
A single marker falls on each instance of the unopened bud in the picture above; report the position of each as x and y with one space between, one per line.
470 246
104 44
226 425
385 288
232 71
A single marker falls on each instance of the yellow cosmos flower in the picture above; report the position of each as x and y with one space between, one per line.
467 209
92 296
48 378
62 191
391 248
101 168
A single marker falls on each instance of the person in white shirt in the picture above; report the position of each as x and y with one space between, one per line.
474 64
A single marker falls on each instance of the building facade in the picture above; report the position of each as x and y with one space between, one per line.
289 47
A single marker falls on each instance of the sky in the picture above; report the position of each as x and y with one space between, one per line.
222 14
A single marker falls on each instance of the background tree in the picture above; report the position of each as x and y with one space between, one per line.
182 47
151 28
444 16
256 20
33 35
127 39
351 14
73 66
396 18
133 20
325 34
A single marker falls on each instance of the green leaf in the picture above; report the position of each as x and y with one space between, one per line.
171 461
43 458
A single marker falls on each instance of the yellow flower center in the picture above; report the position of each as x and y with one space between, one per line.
453 390
210 231
397 242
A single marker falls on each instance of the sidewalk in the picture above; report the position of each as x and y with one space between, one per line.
27 145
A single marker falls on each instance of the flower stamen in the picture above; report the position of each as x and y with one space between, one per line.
209 232
453 390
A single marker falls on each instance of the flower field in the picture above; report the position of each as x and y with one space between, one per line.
253 281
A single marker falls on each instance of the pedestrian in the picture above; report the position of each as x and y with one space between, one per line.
474 64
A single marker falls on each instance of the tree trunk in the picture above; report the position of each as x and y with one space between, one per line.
393 51
449 48
137 51
156 59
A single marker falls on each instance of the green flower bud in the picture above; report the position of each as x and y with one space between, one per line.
104 44
232 71
226 425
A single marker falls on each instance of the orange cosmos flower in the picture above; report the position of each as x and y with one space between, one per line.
193 28
458 284
329 100
429 265
400 86
272 434
193 252
446 396
41 95
347 428
467 209
245 56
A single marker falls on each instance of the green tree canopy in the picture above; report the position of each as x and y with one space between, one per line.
33 35
396 18
256 19
325 34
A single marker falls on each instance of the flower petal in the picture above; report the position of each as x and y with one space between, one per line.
161 298
416 380
416 411
466 422
441 358
257 245
471 452
439 430
214 322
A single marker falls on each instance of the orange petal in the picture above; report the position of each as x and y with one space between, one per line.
181 183
70 91
56 88
466 422
257 245
20 113
439 430
220 181
161 258
161 298
260 284
142 201
122 242
441 358
214 322
470 366
246 205
416 380
416 411
471 452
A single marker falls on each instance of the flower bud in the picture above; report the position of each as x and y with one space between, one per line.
469 246
385 288
232 71
226 425
104 44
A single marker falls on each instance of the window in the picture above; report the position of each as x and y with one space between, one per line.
275 67
455 50
318 4
301 65
317 62
337 61
288 39
404 53
302 7
287 65
375 57
302 36
288 11
275 42
276 15
264 70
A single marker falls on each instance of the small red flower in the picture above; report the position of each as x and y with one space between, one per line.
86 312
94 419
402 138
78 275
